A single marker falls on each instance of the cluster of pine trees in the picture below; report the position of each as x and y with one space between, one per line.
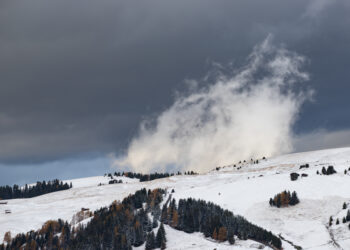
345 219
158 241
294 176
284 199
346 170
40 188
122 225
149 177
119 226
192 215
42 238
115 182
304 166
330 170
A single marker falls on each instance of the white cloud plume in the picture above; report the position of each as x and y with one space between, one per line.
249 114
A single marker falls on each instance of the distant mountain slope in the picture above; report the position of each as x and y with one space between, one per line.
244 189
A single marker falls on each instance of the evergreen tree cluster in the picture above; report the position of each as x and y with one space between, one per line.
347 217
158 241
149 177
294 176
330 170
304 166
119 226
344 220
330 221
154 176
192 215
40 188
115 182
284 199
45 238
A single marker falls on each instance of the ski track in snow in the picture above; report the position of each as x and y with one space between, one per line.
245 192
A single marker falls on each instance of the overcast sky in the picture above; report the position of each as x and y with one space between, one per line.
78 77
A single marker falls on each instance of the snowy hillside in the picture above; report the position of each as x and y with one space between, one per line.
244 189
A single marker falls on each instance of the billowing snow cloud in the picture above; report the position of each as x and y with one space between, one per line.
248 114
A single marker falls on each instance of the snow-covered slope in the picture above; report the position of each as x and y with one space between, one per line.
245 191
178 240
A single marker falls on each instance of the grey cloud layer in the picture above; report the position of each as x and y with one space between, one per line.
77 77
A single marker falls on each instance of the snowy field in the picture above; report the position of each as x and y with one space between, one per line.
245 191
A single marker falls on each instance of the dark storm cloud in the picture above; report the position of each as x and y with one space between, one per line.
76 77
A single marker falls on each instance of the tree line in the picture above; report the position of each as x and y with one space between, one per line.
148 177
40 188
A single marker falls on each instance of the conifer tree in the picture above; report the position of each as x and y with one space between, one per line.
294 199
164 216
163 245
230 237
330 170
348 215
150 242
278 203
276 242
161 236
